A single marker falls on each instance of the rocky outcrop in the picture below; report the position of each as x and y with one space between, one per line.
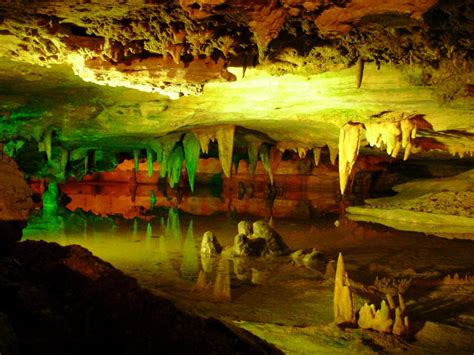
65 300
15 202
210 246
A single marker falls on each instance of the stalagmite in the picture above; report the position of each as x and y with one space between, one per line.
149 161
191 156
222 284
253 156
332 154
317 155
380 320
349 142
225 140
343 301
136 158
264 153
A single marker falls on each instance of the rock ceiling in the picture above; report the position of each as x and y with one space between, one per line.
289 72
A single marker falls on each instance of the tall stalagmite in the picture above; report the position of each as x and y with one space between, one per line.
344 313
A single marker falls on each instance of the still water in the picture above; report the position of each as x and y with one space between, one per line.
163 254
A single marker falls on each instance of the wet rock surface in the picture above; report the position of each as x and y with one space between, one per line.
65 300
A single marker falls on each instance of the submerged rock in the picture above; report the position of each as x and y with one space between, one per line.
210 245
275 244
245 246
245 228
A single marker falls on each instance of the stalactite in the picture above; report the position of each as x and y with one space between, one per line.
205 137
158 149
149 161
264 153
302 152
47 141
349 142
175 165
152 200
136 158
64 161
332 154
275 158
167 144
225 140
317 155
222 284
395 133
191 156
253 156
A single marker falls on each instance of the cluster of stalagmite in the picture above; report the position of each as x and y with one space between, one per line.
382 319
458 280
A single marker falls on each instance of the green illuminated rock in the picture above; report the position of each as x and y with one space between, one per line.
167 144
50 199
175 164
191 156
149 161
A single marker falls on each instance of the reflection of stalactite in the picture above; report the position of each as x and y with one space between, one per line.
360 72
189 263
222 284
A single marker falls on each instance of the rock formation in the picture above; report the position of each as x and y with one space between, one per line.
15 202
210 245
388 319
344 313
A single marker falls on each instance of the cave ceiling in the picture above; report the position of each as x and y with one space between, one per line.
290 71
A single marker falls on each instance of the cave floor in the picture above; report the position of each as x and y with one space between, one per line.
286 304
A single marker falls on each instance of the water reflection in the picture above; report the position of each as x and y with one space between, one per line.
189 262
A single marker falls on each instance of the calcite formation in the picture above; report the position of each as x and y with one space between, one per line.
210 245
387 319
349 142
344 313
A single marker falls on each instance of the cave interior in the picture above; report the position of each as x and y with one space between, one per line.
233 176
